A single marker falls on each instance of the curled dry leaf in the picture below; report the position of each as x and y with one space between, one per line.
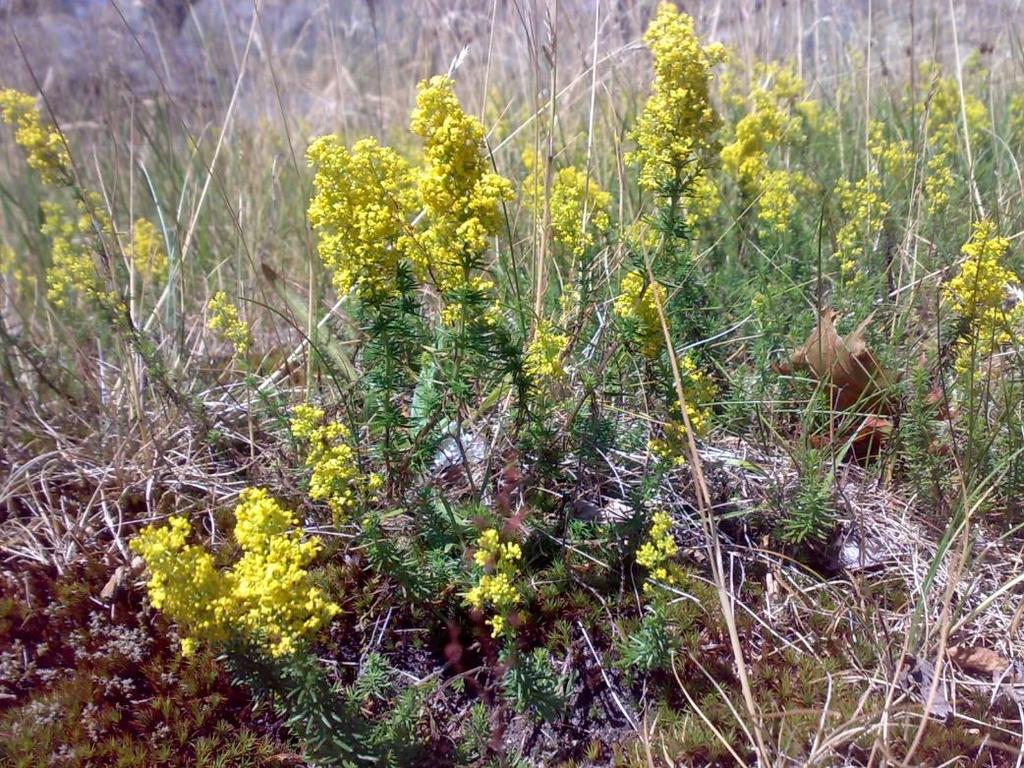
846 364
1008 675
855 379
977 659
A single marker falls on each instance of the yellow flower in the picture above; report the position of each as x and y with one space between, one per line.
657 549
945 115
495 587
637 305
11 267
703 203
184 583
864 210
459 192
497 623
362 204
268 595
700 392
147 249
678 122
979 291
72 269
226 321
575 201
43 145
336 477
778 199
771 122
544 354
272 588
939 183
894 156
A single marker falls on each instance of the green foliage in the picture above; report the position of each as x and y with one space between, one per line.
650 647
532 686
423 349
810 515
476 734
332 732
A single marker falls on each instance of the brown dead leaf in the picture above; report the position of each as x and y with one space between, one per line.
847 363
872 434
114 584
977 659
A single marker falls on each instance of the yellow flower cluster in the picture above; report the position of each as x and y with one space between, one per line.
267 595
894 156
939 183
147 249
496 588
703 203
700 392
575 201
457 189
944 127
979 291
637 305
72 269
945 118
818 119
336 478
771 122
270 584
226 321
864 210
11 268
43 145
658 549
362 204
778 190
678 122
543 360
185 584
1016 115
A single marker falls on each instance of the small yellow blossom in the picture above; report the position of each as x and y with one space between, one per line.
147 249
817 118
267 595
495 587
864 210
700 392
184 583
226 321
979 291
678 122
271 586
946 112
703 203
72 269
544 354
12 268
478 287
361 210
336 477
778 199
459 192
771 122
894 156
658 548
636 304
576 200
43 145
939 183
